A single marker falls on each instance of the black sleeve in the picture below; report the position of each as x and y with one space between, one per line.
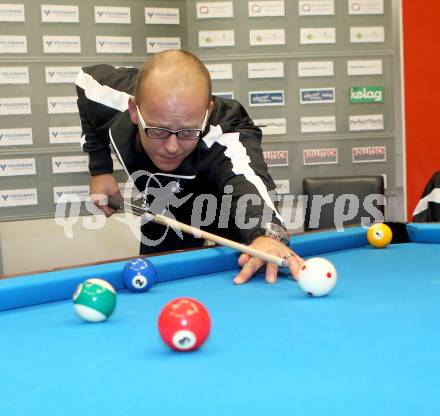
96 145
102 92
238 166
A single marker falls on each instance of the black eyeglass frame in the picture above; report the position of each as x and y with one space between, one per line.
147 129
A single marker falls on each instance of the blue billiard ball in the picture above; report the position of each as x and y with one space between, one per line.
139 275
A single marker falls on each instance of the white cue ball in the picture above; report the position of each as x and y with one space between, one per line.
317 277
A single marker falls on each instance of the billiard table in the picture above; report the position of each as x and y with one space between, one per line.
372 347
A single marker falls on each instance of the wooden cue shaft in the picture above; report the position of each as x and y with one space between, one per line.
270 258
163 220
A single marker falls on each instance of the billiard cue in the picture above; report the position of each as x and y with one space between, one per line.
188 229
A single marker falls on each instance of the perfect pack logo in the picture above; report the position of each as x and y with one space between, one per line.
76 192
262 37
12 13
59 14
66 134
13 44
320 156
318 124
369 154
61 74
216 38
276 157
70 164
220 71
317 95
215 10
272 126
317 35
316 8
14 75
18 197
17 167
366 95
15 137
15 106
366 122
61 44
266 98
265 70
162 16
62 105
113 44
155 45
114 15
266 8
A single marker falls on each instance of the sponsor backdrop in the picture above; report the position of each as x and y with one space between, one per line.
316 75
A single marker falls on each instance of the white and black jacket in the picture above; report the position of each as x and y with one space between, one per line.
227 163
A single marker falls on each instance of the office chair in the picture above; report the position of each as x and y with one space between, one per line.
334 202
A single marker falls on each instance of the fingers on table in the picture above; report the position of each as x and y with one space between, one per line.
248 270
294 264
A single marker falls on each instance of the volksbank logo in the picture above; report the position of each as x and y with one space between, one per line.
113 44
118 15
68 134
55 13
80 191
15 106
18 197
61 105
366 95
69 164
60 75
155 45
15 137
12 13
14 75
13 44
160 15
61 44
17 167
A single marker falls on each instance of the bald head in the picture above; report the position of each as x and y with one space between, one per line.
175 70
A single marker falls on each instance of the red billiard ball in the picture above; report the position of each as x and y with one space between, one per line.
184 324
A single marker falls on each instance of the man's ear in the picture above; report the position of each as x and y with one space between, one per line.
211 106
132 110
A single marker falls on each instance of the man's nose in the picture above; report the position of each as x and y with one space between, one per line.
172 144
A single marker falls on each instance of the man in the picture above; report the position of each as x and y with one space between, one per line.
182 147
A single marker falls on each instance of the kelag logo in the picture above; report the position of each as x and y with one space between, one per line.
366 95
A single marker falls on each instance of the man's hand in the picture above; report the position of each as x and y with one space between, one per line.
251 265
101 187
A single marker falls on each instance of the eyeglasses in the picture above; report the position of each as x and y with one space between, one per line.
163 133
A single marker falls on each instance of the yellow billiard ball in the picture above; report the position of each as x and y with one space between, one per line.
379 235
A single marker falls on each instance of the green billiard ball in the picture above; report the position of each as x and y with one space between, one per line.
94 300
